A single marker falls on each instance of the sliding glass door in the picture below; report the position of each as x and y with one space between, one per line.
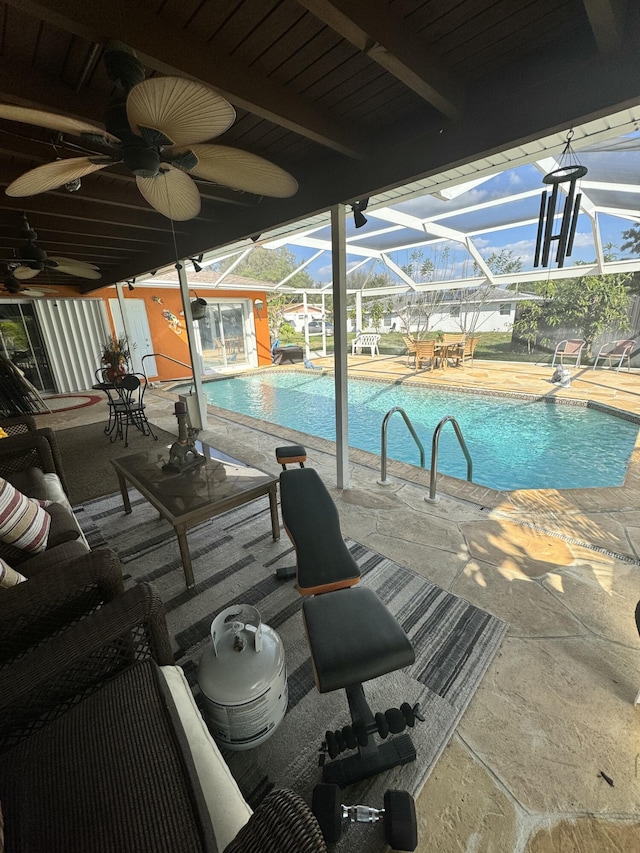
225 335
21 343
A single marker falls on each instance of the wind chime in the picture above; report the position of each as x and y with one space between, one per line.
569 171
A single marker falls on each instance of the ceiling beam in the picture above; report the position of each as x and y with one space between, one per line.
23 85
393 44
87 212
607 20
170 50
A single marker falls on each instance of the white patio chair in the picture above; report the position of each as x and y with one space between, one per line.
366 341
616 351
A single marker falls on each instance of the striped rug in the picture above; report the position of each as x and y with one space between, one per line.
234 559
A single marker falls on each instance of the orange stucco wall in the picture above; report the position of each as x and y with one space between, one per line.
167 323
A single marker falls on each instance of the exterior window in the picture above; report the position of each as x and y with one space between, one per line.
455 311
505 309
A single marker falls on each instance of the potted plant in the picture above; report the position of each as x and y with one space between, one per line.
115 354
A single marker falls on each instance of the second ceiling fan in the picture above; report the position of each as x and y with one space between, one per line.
30 260
157 131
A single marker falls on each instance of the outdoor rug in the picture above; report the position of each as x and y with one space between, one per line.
87 453
234 560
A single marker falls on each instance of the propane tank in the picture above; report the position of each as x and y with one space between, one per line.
243 679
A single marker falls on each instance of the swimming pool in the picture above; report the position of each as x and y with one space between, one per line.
514 443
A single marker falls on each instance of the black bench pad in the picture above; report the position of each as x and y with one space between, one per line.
353 638
291 453
312 522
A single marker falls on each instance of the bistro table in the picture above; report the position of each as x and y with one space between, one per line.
193 496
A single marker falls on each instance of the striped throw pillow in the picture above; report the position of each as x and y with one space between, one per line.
8 576
23 522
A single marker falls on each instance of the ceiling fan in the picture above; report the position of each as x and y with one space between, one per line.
30 259
11 286
156 130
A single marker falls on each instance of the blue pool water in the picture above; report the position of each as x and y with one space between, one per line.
514 444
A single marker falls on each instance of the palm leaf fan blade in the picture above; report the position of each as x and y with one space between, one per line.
74 262
77 268
173 193
182 110
78 271
51 176
53 121
242 170
25 273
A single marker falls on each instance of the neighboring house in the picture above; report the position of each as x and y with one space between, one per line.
295 315
495 312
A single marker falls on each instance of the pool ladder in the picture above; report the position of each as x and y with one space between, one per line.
383 481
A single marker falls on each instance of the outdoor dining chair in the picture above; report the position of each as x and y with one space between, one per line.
425 352
465 351
569 349
411 349
619 351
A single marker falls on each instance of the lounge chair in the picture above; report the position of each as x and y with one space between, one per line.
571 349
366 341
616 351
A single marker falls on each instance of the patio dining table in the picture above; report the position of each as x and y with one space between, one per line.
444 351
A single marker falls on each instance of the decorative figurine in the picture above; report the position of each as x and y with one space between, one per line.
183 454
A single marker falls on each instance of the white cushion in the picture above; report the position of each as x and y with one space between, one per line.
227 807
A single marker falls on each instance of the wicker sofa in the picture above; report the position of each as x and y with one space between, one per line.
30 461
102 747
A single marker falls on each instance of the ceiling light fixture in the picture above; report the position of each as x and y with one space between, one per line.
569 171
196 262
357 207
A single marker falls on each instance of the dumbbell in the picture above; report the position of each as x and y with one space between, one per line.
393 720
398 814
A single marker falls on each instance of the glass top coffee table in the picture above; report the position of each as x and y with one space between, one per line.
188 498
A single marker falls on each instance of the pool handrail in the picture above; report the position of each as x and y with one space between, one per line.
383 444
434 454
169 358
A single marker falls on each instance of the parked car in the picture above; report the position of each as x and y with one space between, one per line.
315 327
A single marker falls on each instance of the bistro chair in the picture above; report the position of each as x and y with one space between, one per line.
104 384
619 351
129 408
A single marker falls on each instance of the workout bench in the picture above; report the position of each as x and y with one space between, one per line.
352 636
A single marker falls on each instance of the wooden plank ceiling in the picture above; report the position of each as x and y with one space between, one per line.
350 96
